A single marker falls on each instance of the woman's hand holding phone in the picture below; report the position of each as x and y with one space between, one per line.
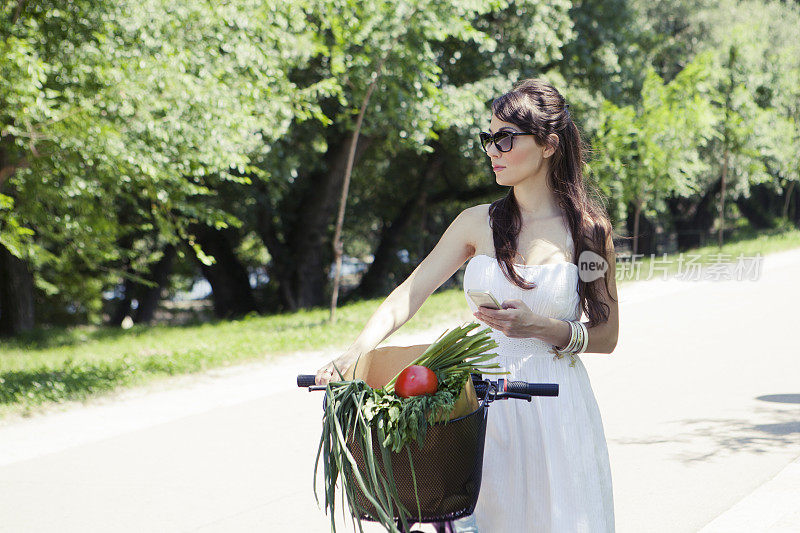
514 319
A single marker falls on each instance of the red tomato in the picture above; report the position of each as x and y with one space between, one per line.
416 380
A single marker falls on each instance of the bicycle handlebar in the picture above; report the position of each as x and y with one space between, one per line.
505 388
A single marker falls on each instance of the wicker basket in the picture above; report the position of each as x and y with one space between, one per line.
448 466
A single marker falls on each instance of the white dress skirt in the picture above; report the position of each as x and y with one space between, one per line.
545 466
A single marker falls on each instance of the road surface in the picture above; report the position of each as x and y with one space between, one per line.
700 403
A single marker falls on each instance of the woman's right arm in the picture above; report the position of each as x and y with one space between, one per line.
453 249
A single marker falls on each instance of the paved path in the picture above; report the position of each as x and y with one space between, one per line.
700 401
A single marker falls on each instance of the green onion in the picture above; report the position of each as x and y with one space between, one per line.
456 352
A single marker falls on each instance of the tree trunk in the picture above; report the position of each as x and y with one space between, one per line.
279 269
308 240
760 207
644 232
726 140
785 211
693 217
722 197
123 308
637 211
230 283
374 281
149 297
338 247
300 258
16 295
146 296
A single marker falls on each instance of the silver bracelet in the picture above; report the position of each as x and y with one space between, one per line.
573 339
578 341
585 342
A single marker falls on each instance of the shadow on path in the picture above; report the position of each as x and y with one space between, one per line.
702 439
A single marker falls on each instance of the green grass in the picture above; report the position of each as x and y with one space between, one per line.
746 245
56 365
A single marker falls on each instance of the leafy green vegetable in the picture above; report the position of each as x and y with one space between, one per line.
456 352
405 420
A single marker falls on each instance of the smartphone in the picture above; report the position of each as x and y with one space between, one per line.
483 299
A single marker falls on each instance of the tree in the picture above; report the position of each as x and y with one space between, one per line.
415 101
649 151
116 110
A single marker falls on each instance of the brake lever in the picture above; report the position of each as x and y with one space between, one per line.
515 395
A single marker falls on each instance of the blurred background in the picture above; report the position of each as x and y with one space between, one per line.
171 172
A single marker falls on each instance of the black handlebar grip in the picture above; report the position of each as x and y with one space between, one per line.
306 380
534 389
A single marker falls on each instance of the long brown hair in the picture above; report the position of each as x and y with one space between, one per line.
536 107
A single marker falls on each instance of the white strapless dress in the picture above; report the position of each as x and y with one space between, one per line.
545 466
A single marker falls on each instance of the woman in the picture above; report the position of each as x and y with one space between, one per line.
546 465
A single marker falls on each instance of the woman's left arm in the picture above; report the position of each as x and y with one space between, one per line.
602 337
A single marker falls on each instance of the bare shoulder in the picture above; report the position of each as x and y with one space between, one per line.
473 221
477 211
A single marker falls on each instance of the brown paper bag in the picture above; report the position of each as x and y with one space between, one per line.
377 367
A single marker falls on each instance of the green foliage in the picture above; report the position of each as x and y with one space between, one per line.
649 151
128 123
123 124
757 66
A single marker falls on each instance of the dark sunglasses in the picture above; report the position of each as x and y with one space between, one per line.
503 140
